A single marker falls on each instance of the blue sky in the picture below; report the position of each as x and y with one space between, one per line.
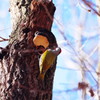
74 21
5 26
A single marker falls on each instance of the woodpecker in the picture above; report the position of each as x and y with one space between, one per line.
46 61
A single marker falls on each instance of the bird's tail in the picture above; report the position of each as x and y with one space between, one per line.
41 76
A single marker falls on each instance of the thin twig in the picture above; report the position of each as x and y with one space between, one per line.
3 39
88 3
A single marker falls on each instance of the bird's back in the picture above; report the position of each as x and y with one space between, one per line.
47 59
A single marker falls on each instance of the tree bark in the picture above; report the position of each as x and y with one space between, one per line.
19 67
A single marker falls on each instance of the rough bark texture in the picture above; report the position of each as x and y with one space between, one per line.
19 68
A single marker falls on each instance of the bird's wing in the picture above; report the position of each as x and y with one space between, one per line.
43 59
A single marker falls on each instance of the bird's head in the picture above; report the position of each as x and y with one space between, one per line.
57 50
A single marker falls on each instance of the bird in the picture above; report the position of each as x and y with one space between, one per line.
46 61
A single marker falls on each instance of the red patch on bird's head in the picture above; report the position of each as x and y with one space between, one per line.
60 51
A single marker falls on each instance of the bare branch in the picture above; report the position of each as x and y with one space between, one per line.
90 5
3 39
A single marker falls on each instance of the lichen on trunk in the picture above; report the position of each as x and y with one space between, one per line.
20 66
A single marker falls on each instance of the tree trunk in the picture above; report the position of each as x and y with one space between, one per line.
19 67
